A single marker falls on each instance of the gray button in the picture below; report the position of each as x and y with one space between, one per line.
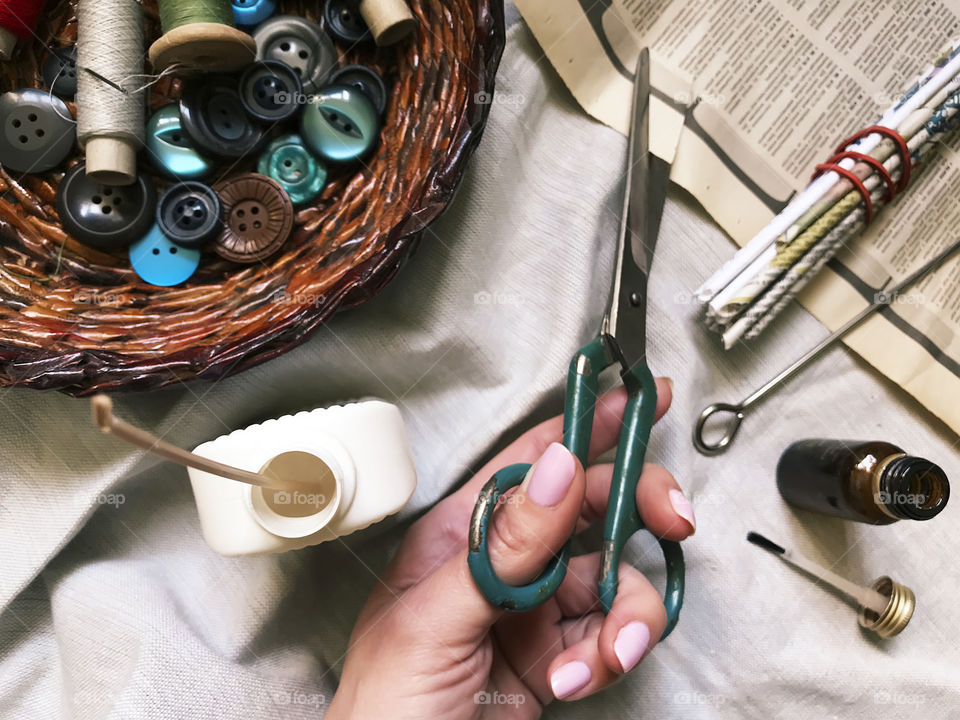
36 131
300 44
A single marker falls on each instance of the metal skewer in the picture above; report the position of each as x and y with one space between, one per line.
737 412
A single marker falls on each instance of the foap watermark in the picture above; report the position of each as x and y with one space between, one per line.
698 698
99 299
905 298
300 499
485 297
297 698
684 297
495 697
500 98
885 99
900 498
284 298
84 499
898 697
704 98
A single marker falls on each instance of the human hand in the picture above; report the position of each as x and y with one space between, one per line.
427 643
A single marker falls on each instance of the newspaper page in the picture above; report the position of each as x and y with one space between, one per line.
778 85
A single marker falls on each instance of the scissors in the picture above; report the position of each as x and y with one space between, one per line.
621 341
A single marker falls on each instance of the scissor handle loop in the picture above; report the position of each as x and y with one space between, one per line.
732 425
516 598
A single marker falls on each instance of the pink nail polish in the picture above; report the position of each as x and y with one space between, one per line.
631 643
568 679
683 508
552 476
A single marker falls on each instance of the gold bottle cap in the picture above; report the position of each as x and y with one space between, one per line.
901 603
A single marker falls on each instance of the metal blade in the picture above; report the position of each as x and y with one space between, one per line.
646 190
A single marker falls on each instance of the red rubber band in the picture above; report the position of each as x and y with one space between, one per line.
857 183
905 159
878 166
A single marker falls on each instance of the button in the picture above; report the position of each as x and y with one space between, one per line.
101 216
170 149
37 132
212 114
248 13
158 261
290 163
340 124
259 218
366 80
300 44
60 72
271 91
190 214
344 21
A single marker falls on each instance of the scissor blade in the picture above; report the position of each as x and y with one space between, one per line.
646 190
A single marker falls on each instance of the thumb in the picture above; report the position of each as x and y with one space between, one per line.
528 528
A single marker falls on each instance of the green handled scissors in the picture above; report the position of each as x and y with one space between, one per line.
622 341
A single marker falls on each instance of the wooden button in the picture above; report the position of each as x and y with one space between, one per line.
258 218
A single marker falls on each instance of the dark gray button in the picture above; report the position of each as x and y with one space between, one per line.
190 214
36 131
60 72
366 80
213 116
105 217
344 21
271 91
300 44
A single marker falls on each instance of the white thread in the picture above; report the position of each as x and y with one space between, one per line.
110 44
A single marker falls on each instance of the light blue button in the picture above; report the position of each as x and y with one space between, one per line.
340 124
171 150
159 261
248 13
288 161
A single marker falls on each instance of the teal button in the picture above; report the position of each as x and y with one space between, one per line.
288 161
158 261
171 150
340 124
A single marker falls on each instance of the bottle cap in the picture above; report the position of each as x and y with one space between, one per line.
901 603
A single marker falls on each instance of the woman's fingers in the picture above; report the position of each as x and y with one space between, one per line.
663 507
528 528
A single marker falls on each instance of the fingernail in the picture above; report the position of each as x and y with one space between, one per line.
631 643
670 383
569 678
683 508
552 476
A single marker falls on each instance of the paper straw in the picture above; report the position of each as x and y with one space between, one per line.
715 289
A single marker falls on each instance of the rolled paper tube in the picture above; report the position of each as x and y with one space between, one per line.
390 21
199 36
8 43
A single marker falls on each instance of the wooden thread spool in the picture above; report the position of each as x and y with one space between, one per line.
390 21
199 36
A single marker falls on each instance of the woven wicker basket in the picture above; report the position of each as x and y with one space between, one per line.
80 321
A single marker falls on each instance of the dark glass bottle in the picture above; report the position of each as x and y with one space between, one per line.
871 482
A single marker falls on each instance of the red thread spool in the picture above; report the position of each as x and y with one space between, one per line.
18 20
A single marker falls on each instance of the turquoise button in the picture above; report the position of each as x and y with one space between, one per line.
340 124
248 13
170 148
288 161
158 261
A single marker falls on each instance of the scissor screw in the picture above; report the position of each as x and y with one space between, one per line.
635 299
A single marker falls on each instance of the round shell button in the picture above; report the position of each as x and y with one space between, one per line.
300 44
270 91
60 72
258 218
37 132
171 150
214 118
344 21
189 213
288 161
159 261
101 216
247 13
364 79
340 124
